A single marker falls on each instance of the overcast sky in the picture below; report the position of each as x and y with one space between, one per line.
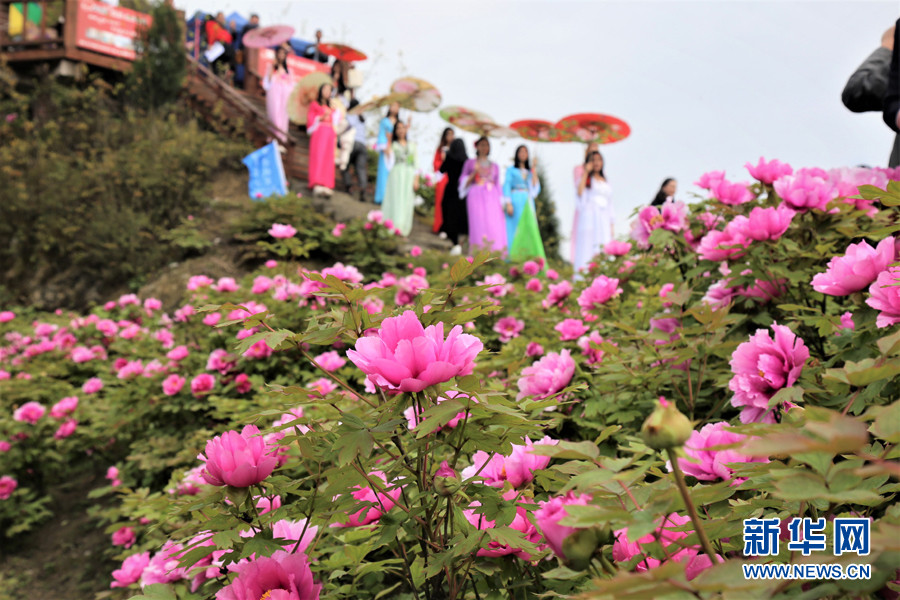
703 85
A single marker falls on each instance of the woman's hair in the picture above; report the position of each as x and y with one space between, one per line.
319 98
444 135
339 82
458 150
283 61
478 141
388 113
527 163
661 195
405 133
588 161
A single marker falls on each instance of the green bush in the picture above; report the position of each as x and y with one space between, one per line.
92 187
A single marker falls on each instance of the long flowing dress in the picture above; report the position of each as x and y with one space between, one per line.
321 145
439 190
385 127
592 229
278 86
487 227
522 231
454 211
399 196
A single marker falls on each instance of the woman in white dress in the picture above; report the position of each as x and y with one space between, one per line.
594 226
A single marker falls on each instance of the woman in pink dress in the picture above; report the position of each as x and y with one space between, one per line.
278 85
479 184
320 123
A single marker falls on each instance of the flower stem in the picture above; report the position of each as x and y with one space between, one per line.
689 503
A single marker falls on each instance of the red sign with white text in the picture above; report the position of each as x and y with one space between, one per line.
109 29
298 66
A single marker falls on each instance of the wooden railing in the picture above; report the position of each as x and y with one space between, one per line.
48 34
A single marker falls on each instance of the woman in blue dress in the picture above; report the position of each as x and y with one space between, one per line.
385 135
520 187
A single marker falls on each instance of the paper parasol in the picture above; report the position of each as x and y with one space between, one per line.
342 52
537 130
417 94
303 94
266 37
376 103
494 130
594 127
464 118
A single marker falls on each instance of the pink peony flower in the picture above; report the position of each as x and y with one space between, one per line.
520 523
546 376
534 285
549 515
80 354
285 577
415 251
112 473
767 223
696 562
531 268
856 269
163 566
730 193
347 273
403 355
212 319
238 459
708 464
66 429
338 230
723 245
219 360
847 321
202 383
131 570
330 361
601 290
381 501
708 180
178 353
509 328
242 383
617 248
764 290
5 446
672 216
195 282
30 412
64 407
226 284
570 329
761 367
559 293
7 486
805 191
769 172
172 384
588 345
6 316
518 468
280 231
124 536
534 349
884 296
408 288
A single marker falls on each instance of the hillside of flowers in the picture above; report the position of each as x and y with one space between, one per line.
475 428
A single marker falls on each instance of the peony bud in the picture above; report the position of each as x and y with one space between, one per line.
581 546
666 427
446 481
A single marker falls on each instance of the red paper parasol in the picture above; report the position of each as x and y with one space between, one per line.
266 37
342 52
537 130
594 127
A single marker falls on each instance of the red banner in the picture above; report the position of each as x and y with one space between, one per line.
109 29
298 66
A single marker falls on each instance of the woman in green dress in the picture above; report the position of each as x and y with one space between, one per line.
403 182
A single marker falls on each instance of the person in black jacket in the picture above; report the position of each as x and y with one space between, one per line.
865 90
891 102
